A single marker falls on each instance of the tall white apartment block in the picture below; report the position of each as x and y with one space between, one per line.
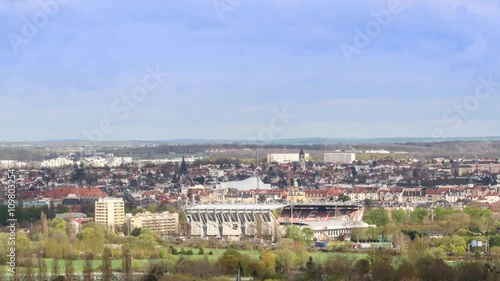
110 211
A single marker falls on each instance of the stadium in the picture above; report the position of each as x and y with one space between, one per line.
329 221
234 221
238 221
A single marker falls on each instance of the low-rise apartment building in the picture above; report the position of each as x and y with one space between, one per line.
165 223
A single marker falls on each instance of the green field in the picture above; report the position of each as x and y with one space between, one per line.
143 264
317 256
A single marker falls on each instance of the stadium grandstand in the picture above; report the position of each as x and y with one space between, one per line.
328 220
234 221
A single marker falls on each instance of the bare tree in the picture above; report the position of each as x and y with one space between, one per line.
127 263
42 267
69 269
71 229
87 267
55 267
401 242
3 276
28 265
45 225
106 266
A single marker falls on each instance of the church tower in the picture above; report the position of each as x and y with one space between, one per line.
302 160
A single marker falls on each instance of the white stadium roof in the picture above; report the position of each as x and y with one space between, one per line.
213 207
247 184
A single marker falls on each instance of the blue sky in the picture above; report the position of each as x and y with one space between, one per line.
229 74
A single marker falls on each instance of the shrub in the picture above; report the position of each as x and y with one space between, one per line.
460 251
495 251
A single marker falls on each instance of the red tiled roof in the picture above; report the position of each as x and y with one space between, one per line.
79 192
26 194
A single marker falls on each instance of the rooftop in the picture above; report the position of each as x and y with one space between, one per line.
236 207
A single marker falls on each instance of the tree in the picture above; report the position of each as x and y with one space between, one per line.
183 169
406 271
362 268
377 216
45 225
136 231
71 230
106 266
155 273
456 221
419 215
368 203
201 251
229 261
400 216
269 262
55 267
381 267
400 242
92 237
303 235
482 219
338 268
440 213
42 267
434 269
127 263
87 267
28 265
69 269
311 268
174 251
343 198
307 235
285 260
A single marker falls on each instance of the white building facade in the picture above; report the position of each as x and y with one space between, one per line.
284 157
339 157
110 211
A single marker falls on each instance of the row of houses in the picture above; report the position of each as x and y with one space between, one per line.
351 193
